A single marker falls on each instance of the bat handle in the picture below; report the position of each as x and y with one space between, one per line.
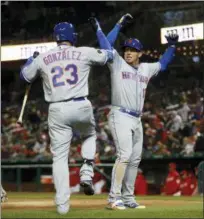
20 121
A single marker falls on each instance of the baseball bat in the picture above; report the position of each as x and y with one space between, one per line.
20 118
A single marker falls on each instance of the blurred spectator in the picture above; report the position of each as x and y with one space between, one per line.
40 144
184 112
188 183
199 145
175 124
141 187
41 148
194 182
188 145
74 177
99 181
172 182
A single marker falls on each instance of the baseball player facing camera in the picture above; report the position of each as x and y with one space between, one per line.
64 71
129 80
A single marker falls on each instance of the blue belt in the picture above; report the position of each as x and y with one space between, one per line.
130 112
78 99
74 99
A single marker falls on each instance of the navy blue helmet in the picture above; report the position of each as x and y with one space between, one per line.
133 43
65 32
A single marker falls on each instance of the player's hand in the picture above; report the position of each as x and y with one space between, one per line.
125 19
35 54
172 39
30 59
94 23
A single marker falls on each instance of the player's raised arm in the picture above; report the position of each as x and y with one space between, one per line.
113 34
30 69
168 56
103 42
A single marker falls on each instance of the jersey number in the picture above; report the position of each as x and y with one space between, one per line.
58 71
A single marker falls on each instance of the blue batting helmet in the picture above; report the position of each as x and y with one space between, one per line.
133 43
65 32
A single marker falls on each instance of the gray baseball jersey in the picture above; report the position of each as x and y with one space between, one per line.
65 70
128 91
129 84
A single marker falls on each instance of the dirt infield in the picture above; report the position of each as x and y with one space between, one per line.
86 203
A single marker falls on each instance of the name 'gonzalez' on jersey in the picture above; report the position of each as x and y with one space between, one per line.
125 80
65 70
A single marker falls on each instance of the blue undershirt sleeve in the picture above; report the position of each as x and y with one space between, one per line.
167 57
113 34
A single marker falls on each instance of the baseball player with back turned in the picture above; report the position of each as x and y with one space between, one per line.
64 71
129 79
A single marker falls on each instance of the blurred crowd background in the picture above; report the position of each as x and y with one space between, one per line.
173 116
173 125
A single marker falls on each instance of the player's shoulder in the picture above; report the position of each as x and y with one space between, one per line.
40 59
43 54
85 48
144 64
91 51
148 64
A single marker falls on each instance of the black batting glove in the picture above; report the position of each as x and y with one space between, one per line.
94 23
35 54
125 19
172 39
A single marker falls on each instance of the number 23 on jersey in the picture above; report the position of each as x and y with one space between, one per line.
59 79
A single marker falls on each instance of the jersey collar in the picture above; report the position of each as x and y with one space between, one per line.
63 45
135 67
